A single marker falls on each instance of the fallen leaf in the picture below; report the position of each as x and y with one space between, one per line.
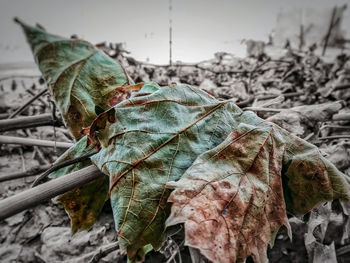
82 80
154 139
231 198
79 75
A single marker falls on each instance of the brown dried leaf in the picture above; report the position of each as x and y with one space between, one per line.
231 199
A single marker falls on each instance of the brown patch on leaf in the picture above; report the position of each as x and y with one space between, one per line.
236 215
99 124
123 93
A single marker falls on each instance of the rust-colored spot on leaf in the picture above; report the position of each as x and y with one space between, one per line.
123 93
233 216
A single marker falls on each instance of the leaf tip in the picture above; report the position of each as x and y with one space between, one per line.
17 20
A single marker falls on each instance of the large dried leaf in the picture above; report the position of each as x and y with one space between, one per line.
153 140
233 198
79 76
83 81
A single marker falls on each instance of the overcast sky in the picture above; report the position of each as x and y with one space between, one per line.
200 27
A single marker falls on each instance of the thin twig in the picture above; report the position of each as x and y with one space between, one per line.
4 116
267 97
334 137
341 117
20 76
62 165
30 172
33 94
341 86
28 122
25 105
286 95
343 250
308 137
33 142
34 196
260 109
39 99
104 251
335 127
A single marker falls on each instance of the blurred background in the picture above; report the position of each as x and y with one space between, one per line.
199 27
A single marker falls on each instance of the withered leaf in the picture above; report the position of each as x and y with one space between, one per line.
153 140
79 75
156 137
233 199
82 79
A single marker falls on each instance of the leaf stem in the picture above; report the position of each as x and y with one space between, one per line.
62 165
104 251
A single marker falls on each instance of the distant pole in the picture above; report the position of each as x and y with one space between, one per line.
331 25
170 32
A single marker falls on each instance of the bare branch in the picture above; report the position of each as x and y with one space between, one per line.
26 104
31 172
33 142
329 126
104 251
260 109
28 122
20 76
334 137
342 86
34 196
341 117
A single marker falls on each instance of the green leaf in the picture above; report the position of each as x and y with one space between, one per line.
79 76
82 80
83 204
154 139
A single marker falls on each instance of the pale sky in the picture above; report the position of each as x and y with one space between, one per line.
200 27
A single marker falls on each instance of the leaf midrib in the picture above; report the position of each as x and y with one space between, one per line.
116 180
